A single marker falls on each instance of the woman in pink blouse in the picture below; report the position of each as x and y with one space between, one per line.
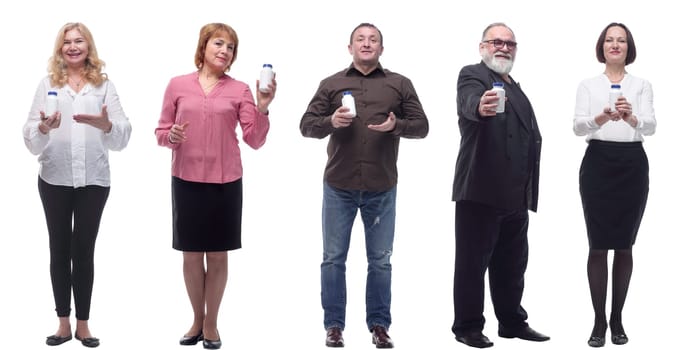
198 122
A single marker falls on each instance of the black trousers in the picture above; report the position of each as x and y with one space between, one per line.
73 216
495 240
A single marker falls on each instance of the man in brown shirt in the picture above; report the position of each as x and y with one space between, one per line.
361 174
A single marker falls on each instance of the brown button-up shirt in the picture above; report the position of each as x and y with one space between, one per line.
360 158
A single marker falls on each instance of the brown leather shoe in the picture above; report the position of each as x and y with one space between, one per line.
334 338
381 339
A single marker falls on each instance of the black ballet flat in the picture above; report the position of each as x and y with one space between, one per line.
89 342
596 342
191 339
619 339
54 340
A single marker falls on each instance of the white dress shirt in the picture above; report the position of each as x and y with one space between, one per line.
76 154
592 98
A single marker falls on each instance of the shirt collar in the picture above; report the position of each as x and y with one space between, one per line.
353 71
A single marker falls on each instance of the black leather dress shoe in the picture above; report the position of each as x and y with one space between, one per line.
212 344
53 340
474 339
89 342
333 338
525 333
381 339
191 339
619 339
596 342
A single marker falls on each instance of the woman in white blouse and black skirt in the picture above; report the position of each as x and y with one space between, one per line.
74 177
613 174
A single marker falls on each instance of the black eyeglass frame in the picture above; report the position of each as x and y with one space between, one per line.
499 43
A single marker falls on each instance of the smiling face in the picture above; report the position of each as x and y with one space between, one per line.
495 49
366 46
219 52
75 49
615 45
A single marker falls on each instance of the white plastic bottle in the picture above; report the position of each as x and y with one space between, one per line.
265 77
52 104
613 95
348 101
499 88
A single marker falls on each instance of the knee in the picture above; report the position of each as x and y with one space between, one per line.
218 258
598 253
334 257
380 259
623 252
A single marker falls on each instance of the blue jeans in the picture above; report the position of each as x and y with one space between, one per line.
378 213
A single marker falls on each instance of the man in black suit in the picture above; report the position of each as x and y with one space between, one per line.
496 183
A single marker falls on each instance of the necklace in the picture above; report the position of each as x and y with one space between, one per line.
77 85
206 85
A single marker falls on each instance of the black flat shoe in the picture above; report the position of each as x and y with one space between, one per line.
619 339
212 344
191 339
596 342
54 340
89 342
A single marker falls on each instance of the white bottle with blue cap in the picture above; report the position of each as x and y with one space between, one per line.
265 77
348 101
613 95
499 89
52 104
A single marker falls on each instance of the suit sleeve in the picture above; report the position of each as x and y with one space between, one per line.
470 88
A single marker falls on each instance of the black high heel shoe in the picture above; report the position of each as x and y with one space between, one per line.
191 339
212 344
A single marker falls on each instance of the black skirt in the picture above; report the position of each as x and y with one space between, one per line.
206 217
614 190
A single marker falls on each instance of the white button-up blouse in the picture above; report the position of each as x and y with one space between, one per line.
76 154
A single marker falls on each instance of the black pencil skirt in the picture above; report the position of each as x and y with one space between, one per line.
614 190
206 217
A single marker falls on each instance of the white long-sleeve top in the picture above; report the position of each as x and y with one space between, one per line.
592 98
76 154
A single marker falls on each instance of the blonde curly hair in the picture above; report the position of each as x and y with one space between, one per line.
93 65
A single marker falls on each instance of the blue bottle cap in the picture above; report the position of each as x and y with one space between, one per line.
51 93
615 86
498 84
346 93
267 65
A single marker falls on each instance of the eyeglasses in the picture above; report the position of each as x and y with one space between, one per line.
498 43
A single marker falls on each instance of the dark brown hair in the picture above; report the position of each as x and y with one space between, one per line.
631 48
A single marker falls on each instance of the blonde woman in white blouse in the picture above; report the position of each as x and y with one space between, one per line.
614 173
74 175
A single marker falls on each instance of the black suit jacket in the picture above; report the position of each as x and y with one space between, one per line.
499 157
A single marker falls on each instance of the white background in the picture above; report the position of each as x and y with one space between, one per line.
273 294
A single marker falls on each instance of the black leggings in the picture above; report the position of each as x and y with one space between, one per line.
73 216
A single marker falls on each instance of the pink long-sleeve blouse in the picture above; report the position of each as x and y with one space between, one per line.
210 153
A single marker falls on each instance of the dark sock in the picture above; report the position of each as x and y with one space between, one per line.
597 274
622 273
